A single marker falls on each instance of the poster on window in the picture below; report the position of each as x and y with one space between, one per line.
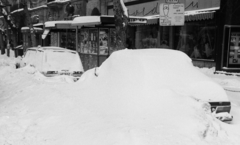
103 41
93 40
171 14
234 49
84 38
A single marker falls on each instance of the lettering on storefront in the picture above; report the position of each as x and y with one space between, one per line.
192 5
154 10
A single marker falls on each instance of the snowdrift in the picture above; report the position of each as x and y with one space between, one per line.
126 101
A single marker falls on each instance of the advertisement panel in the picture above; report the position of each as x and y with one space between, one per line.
171 14
231 48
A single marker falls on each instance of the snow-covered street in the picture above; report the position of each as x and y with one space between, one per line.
36 110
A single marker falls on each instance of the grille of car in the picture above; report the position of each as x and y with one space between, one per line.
222 106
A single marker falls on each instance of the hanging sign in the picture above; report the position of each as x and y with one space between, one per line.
171 14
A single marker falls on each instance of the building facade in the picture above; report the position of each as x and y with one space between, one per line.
203 37
196 38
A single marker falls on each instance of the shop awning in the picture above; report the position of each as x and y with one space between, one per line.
86 21
194 15
104 20
59 24
136 20
202 14
45 33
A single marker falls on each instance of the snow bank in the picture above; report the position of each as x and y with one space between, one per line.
125 104
9 61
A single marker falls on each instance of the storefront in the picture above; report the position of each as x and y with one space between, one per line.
196 37
91 36
59 33
95 39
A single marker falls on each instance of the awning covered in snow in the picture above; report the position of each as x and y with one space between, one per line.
203 14
59 24
86 21
194 15
104 20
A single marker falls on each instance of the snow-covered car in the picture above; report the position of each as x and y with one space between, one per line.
168 68
54 61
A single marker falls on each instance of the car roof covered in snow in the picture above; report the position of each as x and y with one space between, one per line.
162 67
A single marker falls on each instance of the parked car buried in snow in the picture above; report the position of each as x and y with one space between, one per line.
54 61
164 68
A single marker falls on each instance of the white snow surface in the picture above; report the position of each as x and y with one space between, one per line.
114 108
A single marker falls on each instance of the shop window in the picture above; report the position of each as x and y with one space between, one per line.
63 40
93 41
54 39
147 36
83 40
71 41
112 41
103 41
88 41
196 40
67 40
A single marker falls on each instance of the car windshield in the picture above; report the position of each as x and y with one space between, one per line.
62 60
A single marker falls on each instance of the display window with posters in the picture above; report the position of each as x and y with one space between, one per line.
93 41
88 41
83 40
196 39
103 41
68 40
94 44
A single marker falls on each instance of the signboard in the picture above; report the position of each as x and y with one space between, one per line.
171 14
234 51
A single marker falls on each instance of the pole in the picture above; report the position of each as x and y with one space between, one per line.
8 42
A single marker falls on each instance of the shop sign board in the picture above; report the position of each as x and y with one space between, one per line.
171 14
